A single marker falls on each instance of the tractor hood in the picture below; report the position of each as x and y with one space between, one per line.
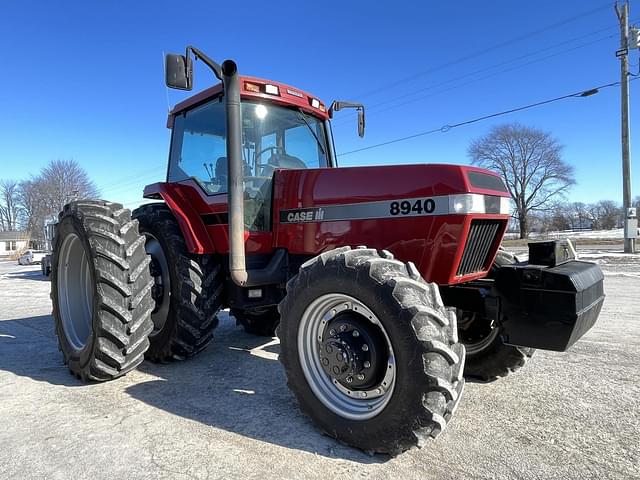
457 213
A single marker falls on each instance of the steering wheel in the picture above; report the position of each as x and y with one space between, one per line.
274 149
268 168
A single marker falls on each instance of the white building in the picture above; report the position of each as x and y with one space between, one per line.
12 242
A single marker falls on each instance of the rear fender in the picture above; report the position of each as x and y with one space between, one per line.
193 229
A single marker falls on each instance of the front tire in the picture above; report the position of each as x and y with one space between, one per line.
187 288
101 290
488 357
401 389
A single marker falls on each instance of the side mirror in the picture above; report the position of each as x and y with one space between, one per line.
336 106
178 72
361 122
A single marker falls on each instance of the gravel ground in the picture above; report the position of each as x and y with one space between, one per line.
228 412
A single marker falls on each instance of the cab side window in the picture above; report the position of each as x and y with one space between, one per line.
198 148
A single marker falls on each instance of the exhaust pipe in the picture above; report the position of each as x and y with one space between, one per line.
275 270
179 74
237 264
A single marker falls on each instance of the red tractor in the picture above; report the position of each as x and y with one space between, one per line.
256 217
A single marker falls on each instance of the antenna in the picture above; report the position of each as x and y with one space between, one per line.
166 89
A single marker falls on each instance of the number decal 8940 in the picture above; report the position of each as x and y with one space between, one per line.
418 207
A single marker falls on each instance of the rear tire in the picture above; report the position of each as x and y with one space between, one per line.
262 324
415 393
488 357
187 290
101 290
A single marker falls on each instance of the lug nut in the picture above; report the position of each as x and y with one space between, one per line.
367 364
332 332
343 328
349 379
356 333
360 376
365 347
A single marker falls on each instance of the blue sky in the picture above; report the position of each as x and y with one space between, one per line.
84 80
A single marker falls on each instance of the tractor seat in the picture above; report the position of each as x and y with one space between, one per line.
282 160
222 167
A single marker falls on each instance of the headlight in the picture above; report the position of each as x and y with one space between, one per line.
476 203
505 205
466 203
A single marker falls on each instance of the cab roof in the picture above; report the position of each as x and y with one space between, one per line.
258 89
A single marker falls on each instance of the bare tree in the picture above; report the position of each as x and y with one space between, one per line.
529 161
9 204
559 217
65 180
44 196
606 214
580 216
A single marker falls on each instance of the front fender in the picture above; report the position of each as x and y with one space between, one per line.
193 229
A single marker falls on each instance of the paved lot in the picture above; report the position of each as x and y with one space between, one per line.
228 413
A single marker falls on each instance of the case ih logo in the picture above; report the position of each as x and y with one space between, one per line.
302 215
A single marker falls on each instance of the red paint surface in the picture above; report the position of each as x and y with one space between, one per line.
433 243
284 98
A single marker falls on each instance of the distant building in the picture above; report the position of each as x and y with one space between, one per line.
12 242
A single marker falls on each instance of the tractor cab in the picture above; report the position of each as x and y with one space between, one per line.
282 128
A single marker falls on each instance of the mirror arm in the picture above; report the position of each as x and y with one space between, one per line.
199 55
337 105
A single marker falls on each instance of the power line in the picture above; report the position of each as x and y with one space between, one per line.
134 178
374 107
446 128
118 187
484 51
455 87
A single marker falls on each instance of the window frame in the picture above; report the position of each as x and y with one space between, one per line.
330 154
217 98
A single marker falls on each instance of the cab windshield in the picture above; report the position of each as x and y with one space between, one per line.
272 137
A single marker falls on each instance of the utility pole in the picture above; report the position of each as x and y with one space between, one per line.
623 17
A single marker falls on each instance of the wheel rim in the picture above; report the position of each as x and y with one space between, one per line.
350 403
474 336
75 292
162 283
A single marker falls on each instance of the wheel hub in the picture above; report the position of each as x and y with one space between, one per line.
160 291
75 292
157 291
477 332
352 351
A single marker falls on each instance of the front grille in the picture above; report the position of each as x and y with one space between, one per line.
482 237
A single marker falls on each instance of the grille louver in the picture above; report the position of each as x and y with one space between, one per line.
482 236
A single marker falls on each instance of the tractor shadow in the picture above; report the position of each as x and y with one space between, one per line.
238 385
35 275
29 348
